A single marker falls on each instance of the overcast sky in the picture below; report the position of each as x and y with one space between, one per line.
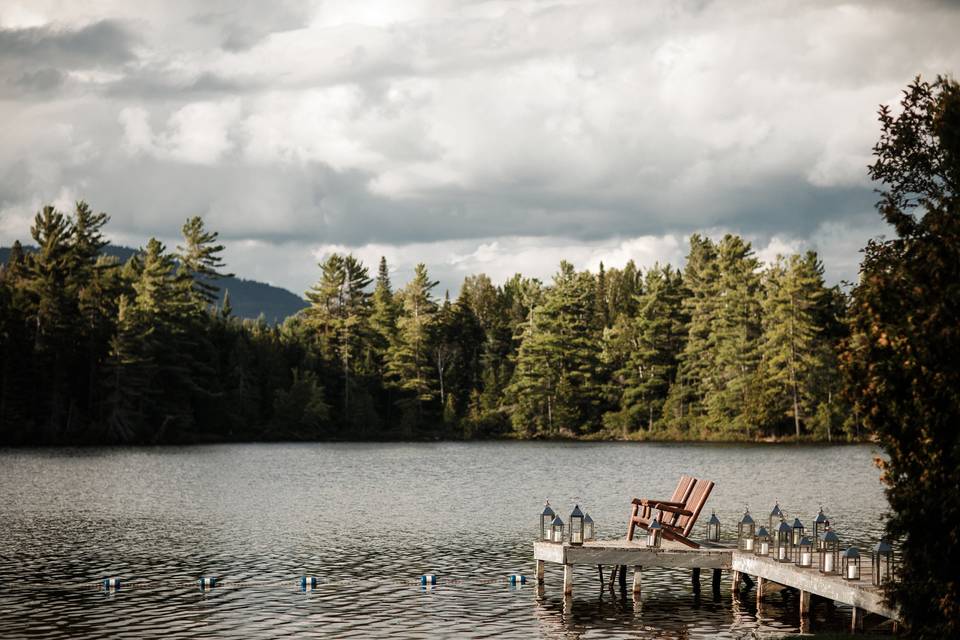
473 136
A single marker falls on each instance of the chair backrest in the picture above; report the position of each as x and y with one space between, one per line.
684 486
681 494
695 501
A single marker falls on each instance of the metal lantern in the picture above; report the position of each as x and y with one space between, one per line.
783 543
654 533
576 526
804 553
546 519
745 532
761 546
556 530
776 516
829 552
713 528
882 569
588 528
850 567
819 526
797 532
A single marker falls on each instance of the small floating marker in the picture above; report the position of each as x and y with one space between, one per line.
111 584
428 578
207 583
517 579
308 583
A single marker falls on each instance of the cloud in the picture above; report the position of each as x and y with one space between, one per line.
103 42
478 135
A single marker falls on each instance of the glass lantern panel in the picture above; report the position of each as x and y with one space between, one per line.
828 562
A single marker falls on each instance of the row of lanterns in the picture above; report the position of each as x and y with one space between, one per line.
551 526
787 543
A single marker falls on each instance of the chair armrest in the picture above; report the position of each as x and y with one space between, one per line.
672 509
646 502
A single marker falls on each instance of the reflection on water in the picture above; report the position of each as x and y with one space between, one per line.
368 520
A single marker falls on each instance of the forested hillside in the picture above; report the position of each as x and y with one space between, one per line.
94 349
249 298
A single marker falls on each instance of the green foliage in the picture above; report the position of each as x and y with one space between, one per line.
902 364
409 366
98 351
557 383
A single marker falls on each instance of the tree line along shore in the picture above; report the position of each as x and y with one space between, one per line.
99 351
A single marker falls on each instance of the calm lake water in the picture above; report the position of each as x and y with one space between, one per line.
369 519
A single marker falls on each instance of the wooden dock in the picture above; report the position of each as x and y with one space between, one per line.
769 574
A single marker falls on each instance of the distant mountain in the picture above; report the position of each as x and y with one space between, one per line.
248 298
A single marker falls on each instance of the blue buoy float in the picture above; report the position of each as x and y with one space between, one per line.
308 583
428 578
110 584
207 583
517 579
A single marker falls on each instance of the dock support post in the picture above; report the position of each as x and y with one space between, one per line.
567 579
735 587
717 574
623 577
761 583
856 621
695 579
540 564
804 603
637 570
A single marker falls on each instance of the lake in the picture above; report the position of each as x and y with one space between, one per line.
368 520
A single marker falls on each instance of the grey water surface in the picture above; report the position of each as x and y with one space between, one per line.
368 520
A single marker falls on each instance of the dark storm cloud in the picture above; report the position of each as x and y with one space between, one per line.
105 43
42 80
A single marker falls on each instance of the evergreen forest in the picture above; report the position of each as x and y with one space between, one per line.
95 350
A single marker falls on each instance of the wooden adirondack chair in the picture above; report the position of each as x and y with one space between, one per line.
677 517
643 510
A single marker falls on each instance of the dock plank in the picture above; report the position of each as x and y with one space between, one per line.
860 594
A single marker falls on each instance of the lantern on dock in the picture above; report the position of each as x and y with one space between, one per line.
882 569
556 530
588 528
797 532
829 552
783 543
546 519
761 545
804 553
819 526
850 564
776 517
713 528
745 532
654 533
576 526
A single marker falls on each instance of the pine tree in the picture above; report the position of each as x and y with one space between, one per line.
696 361
644 350
409 361
340 311
557 383
130 375
200 257
226 308
792 352
602 299
736 339
54 317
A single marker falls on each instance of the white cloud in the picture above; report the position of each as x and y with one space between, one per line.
497 135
